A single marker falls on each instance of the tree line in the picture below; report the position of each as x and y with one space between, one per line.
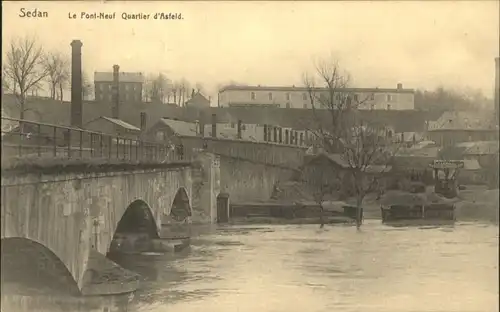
27 67
449 99
160 89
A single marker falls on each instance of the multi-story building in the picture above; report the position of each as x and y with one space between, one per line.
298 97
130 86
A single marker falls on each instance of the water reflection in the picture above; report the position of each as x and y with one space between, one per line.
301 268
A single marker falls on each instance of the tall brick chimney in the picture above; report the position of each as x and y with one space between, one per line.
115 112
239 129
214 125
143 121
76 117
497 89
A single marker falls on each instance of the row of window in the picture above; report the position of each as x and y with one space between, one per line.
125 97
128 87
389 97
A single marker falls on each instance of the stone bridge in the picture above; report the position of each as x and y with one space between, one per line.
70 217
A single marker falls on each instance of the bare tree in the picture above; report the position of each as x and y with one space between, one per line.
184 88
24 68
57 67
163 87
5 82
339 130
157 88
36 88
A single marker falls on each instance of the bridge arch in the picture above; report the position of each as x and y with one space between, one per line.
139 220
181 206
28 266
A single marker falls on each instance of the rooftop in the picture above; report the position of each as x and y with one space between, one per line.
123 77
461 121
482 148
304 89
181 128
121 123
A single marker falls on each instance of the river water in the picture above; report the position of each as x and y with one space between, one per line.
297 268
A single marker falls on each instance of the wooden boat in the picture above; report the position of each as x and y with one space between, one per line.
404 208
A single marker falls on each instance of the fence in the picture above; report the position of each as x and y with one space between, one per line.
29 138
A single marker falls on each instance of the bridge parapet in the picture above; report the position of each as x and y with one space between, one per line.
265 153
25 139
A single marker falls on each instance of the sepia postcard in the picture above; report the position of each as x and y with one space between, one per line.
270 156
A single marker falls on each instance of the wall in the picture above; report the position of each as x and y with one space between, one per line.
247 181
299 98
206 187
70 212
452 137
255 133
265 153
129 91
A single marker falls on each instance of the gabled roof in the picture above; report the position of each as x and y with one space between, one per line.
121 123
123 77
461 121
181 128
198 98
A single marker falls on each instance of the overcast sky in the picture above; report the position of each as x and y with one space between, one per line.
420 44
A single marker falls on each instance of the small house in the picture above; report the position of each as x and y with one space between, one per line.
113 126
198 100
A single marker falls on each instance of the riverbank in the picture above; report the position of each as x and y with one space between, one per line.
475 203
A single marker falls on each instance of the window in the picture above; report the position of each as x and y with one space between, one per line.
355 97
252 95
305 105
372 105
160 136
287 96
287 105
232 125
270 96
337 97
389 98
304 96
388 106
101 87
372 96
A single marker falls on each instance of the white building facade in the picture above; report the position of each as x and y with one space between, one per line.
298 97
